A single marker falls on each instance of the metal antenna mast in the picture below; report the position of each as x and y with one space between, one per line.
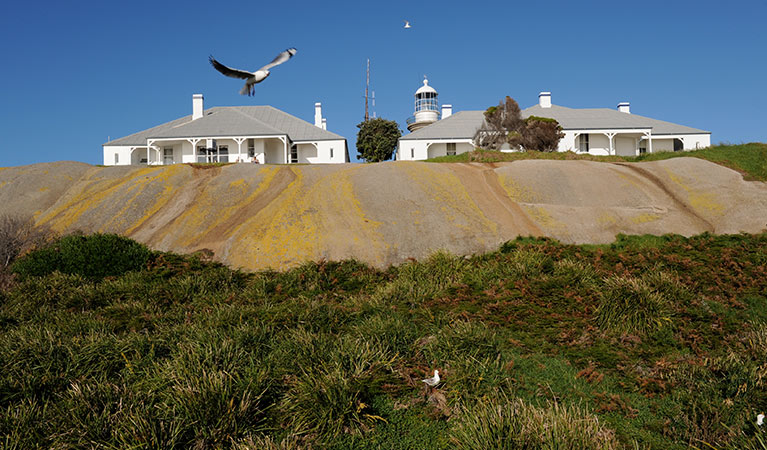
367 86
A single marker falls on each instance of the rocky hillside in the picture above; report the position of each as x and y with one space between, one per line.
254 217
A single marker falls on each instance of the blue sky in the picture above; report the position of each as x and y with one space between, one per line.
75 73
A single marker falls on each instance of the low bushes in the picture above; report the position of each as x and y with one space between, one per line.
96 256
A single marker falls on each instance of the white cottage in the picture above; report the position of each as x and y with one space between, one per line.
598 131
260 134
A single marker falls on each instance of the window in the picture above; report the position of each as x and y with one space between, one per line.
331 153
451 148
223 154
583 143
167 154
251 147
294 154
412 153
117 158
202 154
678 145
642 147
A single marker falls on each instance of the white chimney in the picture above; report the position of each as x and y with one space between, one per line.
324 123
318 114
447 111
624 107
196 106
544 99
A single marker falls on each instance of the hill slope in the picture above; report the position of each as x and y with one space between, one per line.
254 217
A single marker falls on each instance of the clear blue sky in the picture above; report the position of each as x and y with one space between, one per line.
75 73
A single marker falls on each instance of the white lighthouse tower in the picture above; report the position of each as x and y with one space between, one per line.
426 107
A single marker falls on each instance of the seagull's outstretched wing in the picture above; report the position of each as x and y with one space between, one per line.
228 71
281 58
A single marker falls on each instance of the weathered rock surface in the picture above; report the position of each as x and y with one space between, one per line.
254 217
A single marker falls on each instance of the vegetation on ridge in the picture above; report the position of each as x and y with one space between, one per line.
650 342
748 159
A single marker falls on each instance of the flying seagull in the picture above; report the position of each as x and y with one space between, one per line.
407 24
252 77
433 381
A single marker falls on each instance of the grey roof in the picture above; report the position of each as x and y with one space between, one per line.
575 119
461 125
464 124
233 121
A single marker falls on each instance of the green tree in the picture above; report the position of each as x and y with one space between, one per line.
500 121
540 133
504 124
377 139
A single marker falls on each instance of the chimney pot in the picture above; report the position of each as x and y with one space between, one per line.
544 99
624 107
447 111
318 115
197 106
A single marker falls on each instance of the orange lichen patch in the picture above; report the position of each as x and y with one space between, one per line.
450 194
92 194
702 202
43 189
308 221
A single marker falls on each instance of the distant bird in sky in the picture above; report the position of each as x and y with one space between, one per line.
407 24
760 419
433 381
252 77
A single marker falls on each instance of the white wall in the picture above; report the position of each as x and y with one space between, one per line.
318 152
625 146
274 151
123 155
419 150
440 149
412 150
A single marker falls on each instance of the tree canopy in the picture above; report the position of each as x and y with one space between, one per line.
504 125
377 139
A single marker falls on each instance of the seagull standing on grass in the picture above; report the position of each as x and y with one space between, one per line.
760 419
433 381
252 77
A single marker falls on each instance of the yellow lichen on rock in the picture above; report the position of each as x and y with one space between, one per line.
645 218
308 221
92 194
702 202
449 193
518 192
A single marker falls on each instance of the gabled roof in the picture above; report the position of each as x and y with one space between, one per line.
461 125
605 118
464 124
231 121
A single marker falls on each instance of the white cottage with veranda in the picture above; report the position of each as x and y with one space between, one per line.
597 131
261 134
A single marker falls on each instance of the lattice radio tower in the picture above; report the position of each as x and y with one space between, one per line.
372 97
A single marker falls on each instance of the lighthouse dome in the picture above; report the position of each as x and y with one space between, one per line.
425 88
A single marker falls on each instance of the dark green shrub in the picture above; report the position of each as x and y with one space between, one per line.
95 256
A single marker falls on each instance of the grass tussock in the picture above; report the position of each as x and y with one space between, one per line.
632 306
499 423
649 342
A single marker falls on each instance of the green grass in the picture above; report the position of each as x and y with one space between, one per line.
649 342
748 159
